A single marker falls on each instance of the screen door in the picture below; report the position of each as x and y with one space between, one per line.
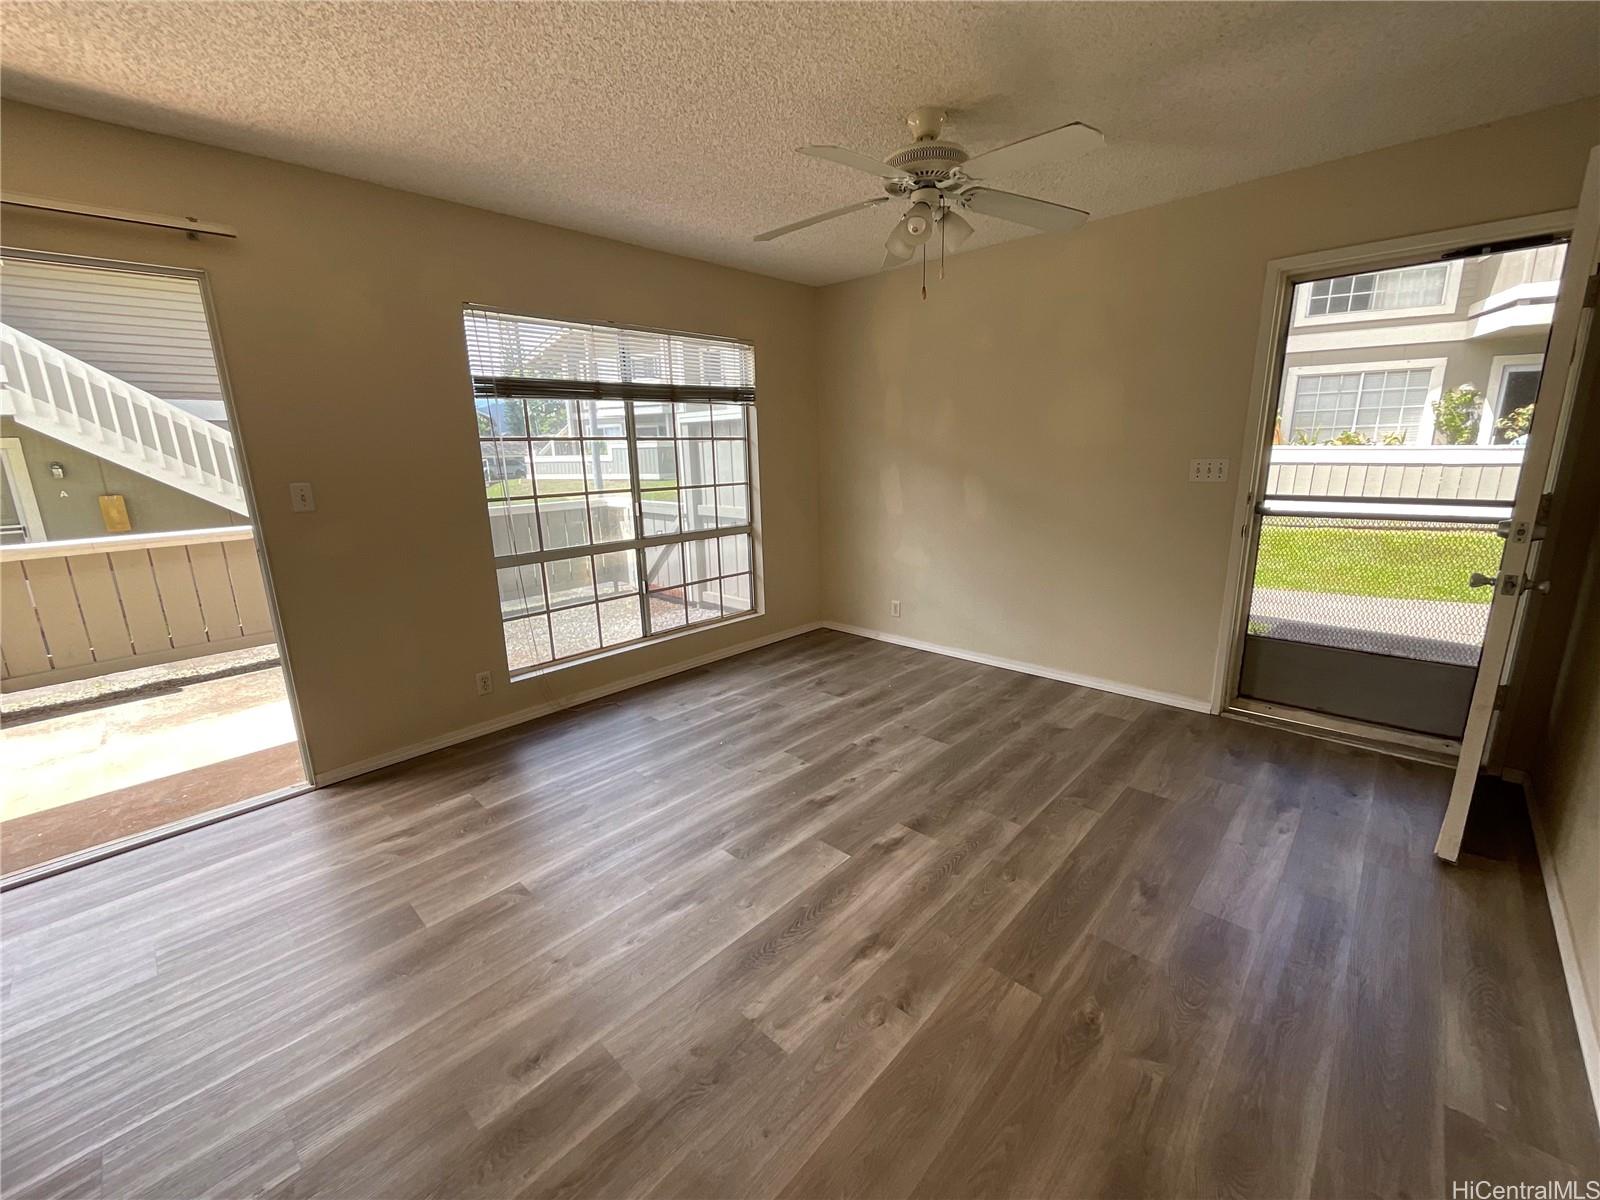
1402 421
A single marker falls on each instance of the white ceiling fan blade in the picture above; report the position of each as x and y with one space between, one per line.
819 218
1052 146
850 158
1024 210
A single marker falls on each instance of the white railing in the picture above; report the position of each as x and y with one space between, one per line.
74 402
76 609
611 463
1396 472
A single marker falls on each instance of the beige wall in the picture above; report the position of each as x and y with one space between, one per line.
1566 778
1008 458
340 316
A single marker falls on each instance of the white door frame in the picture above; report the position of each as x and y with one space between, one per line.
22 488
1552 412
1254 456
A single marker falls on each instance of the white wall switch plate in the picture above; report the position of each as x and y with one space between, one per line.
301 498
485 683
894 608
1208 470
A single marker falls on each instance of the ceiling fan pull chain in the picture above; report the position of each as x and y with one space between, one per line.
941 247
924 270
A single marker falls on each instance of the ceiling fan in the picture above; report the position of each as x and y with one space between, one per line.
938 181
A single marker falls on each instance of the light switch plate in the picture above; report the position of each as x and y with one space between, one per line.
301 498
1208 470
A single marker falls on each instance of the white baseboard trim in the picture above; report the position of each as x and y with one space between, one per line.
1171 699
1583 1012
534 712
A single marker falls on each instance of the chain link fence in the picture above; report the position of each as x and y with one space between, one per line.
1380 586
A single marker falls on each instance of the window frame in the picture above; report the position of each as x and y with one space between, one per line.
628 396
1452 298
1435 367
1501 368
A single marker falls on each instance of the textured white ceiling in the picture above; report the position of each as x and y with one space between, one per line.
673 125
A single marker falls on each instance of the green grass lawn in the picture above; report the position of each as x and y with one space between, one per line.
1400 564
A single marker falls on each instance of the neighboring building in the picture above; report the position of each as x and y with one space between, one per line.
110 406
1370 355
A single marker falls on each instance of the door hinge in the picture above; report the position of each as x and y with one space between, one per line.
1501 695
1591 291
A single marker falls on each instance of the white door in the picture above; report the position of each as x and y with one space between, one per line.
1569 334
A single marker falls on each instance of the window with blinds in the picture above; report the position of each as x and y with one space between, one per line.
616 472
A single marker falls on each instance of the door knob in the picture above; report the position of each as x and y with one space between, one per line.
1479 579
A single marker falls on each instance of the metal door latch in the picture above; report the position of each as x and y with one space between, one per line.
1510 585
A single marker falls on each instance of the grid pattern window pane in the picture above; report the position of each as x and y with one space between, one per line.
1377 291
613 519
1381 406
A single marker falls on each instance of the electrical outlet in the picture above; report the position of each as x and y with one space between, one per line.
894 608
301 498
1208 470
485 683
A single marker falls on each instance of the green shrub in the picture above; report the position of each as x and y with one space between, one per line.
1456 415
1514 424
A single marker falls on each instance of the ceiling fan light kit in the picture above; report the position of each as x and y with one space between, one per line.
938 180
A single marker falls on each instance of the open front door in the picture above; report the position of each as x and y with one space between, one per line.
1571 328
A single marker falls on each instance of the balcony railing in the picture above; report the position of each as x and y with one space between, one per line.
76 609
1486 473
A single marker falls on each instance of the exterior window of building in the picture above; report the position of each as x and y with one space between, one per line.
1384 406
1516 387
617 476
1403 290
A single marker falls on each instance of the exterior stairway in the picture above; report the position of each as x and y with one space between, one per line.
65 398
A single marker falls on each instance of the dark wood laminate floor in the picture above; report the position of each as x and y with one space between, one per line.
831 918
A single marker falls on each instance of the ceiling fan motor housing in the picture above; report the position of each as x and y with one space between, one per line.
928 159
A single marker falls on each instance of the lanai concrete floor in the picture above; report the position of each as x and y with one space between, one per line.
92 762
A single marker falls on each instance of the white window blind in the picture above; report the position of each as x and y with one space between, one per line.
616 467
515 350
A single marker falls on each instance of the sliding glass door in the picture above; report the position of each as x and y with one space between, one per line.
142 685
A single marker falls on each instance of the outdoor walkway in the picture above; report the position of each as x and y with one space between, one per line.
124 765
1436 630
